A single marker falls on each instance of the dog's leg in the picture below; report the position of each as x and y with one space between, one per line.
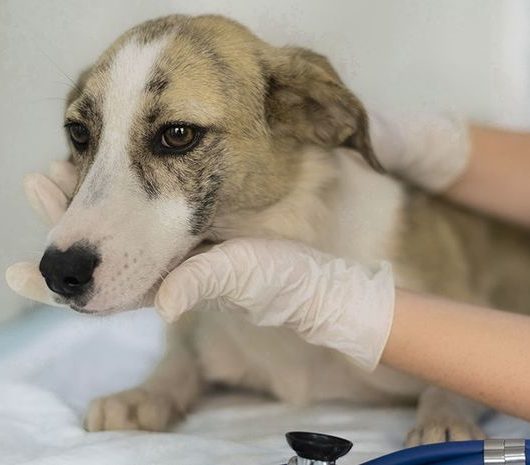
444 416
161 400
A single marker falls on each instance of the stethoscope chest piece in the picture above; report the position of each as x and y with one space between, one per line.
316 448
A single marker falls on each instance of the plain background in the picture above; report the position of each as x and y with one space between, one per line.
472 56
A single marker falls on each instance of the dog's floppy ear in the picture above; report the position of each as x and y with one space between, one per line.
307 101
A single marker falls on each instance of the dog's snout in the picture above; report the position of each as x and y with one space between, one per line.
69 273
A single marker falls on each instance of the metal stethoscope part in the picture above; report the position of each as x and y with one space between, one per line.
322 449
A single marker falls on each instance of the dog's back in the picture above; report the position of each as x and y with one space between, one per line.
460 254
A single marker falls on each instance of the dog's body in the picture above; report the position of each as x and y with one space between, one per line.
268 164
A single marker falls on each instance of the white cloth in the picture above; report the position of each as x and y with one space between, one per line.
54 362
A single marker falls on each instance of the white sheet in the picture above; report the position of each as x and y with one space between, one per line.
55 362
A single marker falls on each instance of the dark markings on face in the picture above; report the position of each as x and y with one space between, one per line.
196 175
157 83
147 178
88 109
205 204
151 115
199 177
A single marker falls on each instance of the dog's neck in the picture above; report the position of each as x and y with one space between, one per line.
337 204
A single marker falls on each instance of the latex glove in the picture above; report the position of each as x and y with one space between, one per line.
324 299
49 197
429 150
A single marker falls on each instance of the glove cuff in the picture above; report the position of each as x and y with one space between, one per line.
360 313
373 321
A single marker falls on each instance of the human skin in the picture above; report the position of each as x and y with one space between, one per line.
478 352
497 178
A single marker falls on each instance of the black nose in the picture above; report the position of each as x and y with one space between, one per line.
69 273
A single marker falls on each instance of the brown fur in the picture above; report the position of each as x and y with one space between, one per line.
279 100
272 117
463 255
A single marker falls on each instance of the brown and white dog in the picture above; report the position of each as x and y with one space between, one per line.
191 129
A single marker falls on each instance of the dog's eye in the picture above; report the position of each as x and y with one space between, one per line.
79 135
179 137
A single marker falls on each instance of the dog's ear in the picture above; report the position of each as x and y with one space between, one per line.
307 101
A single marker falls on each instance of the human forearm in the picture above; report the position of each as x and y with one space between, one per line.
497 178
477 352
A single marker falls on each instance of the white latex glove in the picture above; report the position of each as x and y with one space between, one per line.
429 150
324 299
48 196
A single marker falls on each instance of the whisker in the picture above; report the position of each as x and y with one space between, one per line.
50 59
72 82
69 84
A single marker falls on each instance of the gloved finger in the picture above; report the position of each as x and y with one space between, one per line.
64 174
45 197
206 276
25 279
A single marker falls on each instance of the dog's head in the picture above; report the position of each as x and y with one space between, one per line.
181 120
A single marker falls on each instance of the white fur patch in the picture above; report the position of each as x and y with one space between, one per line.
125 89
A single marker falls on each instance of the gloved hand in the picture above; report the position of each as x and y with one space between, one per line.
48 196
429 150
324 299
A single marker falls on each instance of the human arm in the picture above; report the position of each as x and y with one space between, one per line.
497 178
478 352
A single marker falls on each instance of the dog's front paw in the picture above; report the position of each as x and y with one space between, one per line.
441 430
135 409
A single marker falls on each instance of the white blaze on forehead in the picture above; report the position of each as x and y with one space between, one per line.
128 76
124 90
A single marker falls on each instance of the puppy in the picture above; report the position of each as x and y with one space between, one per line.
190 130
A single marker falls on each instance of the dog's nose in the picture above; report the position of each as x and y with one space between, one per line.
69 273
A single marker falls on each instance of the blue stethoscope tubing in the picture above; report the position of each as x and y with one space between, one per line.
448 453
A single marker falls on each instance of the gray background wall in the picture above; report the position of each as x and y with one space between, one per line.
472 56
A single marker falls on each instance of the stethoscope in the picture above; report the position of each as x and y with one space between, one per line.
323 449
